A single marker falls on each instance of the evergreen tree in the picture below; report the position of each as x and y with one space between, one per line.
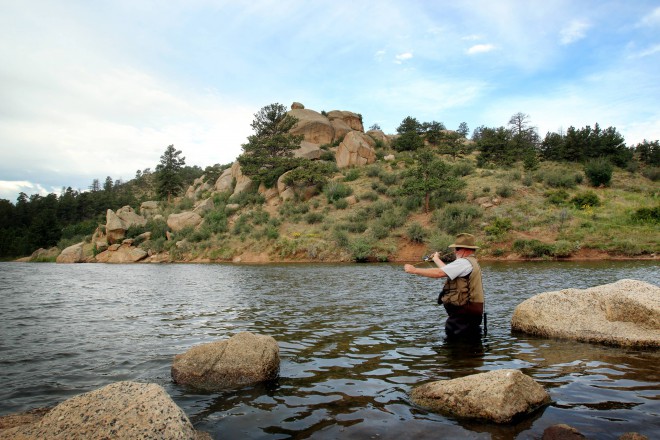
168 177
429 176
269 151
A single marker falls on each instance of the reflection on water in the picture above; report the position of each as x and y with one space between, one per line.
354 340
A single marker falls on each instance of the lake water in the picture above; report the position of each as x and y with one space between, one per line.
354 340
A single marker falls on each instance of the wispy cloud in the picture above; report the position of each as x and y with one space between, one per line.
575 31
650 20
10 188
480 48
400 58
647 52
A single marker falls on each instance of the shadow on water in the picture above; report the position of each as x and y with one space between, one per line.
354 341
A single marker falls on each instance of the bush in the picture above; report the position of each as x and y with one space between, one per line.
216 221
378 231
417 233
532 248
456 218
499 227
559 179
361 249
389 179
599 172
351 175
558 197
462 169
585 199
314 217
647 215
564 248
341 204
652 173
334 191
504 191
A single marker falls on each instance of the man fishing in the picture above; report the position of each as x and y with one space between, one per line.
463 293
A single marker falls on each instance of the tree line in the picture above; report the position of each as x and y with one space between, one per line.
38 221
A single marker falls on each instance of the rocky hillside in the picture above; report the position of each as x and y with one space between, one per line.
361 214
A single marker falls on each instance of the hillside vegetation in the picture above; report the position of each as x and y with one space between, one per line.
583 194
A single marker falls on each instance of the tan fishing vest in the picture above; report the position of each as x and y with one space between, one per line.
464 290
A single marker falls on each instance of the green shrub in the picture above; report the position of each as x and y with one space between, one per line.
341 204
314 217
564 248
585 199
378 231
352 174
216 221
389 179
463 168
417 233
335 190
374 170
652 173
186 204
559 179
370 196
558 197
393 218
528 180
599 172
341 237
647 215
439 242
360 249
200 234
86 227
532 248
498 227
456 218
504 191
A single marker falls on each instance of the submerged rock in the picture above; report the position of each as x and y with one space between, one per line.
122 410
241 360
498 396
625 313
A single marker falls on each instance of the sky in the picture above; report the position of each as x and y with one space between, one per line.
93 88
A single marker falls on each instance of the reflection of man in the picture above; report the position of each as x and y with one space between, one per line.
463 293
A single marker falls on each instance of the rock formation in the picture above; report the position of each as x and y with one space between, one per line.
625 313
356 149
72 254
314 127
118 223
149 208
497 396
241 360
122 410
176 222
124 253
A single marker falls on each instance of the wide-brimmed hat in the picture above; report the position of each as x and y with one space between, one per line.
464 241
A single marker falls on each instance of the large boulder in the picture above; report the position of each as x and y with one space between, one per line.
72 254
308 150
241 360
149 208
118 223
177 222
121 254
379 136
497 396
224 182
122 410
243 182
314 127
290 192
624 313
352 120
204 206
42 254
356 149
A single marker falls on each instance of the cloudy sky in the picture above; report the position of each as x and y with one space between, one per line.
94 88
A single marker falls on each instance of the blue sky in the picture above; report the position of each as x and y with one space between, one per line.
91 89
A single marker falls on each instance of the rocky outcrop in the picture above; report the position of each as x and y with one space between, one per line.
313 126
352 120
118 223
124 253
122 410
149 208
498 396
72 254
198 187
308 150
224 182
271 195
379 136
625 313
289 192
356 149
204 206
241 360
177 222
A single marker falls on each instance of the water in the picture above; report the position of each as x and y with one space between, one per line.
354 340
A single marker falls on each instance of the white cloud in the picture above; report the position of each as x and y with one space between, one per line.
652 19
400 58
576 30
9 189
480 48
647 52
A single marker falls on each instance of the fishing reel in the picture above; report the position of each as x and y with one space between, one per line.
447 257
